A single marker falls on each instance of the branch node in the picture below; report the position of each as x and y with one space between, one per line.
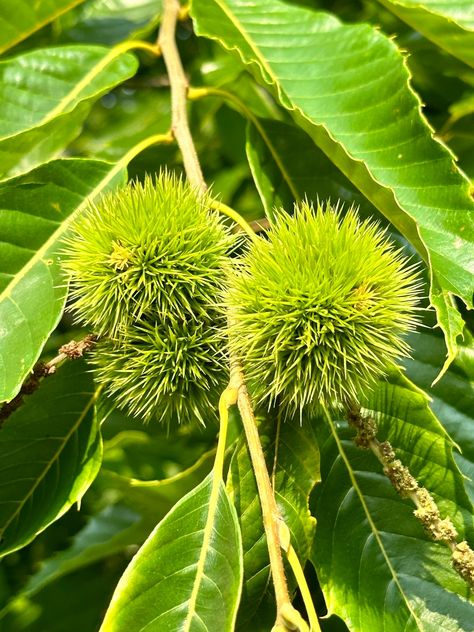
74 350
388 453
463 561
366 428
404 483
71 350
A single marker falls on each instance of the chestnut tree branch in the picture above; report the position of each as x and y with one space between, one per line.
287 618
179 89
71 350
427 512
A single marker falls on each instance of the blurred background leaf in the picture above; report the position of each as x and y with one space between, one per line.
20 18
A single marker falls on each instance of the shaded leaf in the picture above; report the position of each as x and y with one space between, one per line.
448 24
452 397
226 74
155 498
107 533
287 167
460 136
462 108
112 21
75 603
50 452
109 133
348 87
439 78
368 543
189 582
138 455
21 18
35 212
292 450
121 525
45 96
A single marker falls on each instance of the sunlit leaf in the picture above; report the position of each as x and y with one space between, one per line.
45 96
35 211
187 575
348 87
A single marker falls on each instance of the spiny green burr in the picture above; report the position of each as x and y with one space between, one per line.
319 308
147 265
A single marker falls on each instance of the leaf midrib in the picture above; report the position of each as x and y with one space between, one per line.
68 99
274 80
53 460
203 554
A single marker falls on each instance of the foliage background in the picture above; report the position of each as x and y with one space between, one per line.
68 121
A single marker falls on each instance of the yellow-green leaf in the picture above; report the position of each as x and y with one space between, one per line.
187 576
348 87
448 23
21 18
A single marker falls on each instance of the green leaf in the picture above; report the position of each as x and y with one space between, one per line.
348 87
287 167
225 74
118 526
46 94
21 18
107 533
450 320
50 452
114 21
75 603
35 212
452 397
109 133
367 540
138 455
142 504
405 418
461 108
155 498
448 24
292 450
188 574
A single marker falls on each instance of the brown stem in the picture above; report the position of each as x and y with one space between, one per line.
439 529
270 512
71 350
179 88
287 617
